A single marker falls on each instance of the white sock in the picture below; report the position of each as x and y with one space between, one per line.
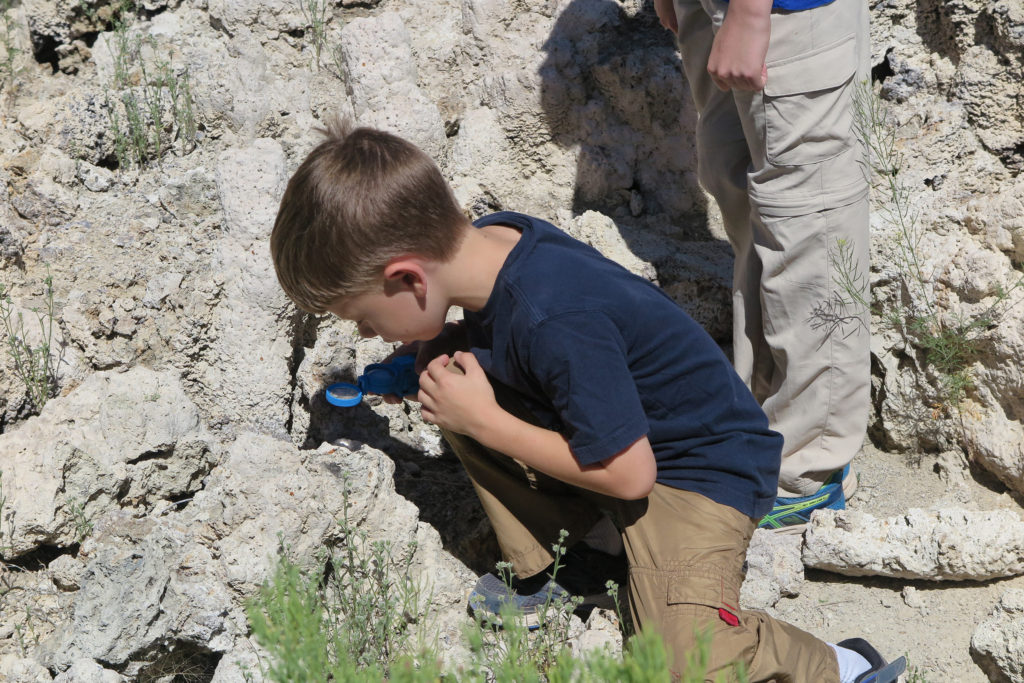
851 664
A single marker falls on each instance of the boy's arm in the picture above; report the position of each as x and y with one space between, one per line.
466 404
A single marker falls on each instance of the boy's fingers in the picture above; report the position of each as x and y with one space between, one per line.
436 367
468 362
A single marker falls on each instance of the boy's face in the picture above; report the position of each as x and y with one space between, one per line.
391 315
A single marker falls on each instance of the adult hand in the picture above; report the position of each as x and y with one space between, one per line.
666 11
737 59
459 402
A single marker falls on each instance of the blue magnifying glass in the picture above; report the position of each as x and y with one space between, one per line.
395 377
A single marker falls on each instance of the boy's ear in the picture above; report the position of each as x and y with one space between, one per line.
406 272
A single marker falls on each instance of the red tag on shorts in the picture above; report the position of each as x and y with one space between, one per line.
728 617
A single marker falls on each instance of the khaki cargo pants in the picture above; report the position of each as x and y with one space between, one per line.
685 555
785 167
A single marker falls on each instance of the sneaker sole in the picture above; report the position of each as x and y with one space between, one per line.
850 484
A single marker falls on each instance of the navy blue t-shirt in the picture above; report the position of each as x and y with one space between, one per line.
605 357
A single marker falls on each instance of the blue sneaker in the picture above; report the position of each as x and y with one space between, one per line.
791 515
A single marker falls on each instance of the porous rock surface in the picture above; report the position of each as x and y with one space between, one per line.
998 643
774 569
188 428
942 545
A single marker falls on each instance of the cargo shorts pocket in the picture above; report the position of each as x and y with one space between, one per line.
697 589
808 105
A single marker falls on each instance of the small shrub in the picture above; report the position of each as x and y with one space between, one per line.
83 525
153 109
354 617
9 50
33 363
948 344
317 13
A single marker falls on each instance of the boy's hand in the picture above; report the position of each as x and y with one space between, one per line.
738 52
455 401
666 11
451 339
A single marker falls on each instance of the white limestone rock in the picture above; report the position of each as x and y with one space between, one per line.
998 643
119 439
381 76
774 569
148 581
943 545
15 669
245 369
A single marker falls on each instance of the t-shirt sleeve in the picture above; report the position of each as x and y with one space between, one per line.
580 361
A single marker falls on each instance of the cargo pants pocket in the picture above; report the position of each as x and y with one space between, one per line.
808 104
700 603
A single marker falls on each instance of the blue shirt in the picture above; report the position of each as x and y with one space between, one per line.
796 5
605 357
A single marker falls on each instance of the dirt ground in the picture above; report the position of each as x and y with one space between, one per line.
931 622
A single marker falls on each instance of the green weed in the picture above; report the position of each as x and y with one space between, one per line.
153 110
9 49
350 619
33 363
83 525
916 675
948 345
317 14
353 617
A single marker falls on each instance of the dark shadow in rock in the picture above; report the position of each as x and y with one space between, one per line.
895 585
437 485
612 86
938 29
982 477
179 661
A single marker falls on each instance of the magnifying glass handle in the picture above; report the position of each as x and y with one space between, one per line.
395 377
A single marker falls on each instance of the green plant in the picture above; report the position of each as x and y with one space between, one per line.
317 13
3 504
354 615
506 638
948 344
153 109
9 49
83 525
349 618
33 363
916 675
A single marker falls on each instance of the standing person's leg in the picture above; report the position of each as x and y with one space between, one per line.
797 163
809 195
723 161
686 555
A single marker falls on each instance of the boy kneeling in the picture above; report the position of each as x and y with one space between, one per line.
571 390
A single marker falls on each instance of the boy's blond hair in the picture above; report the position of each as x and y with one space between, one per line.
361 198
